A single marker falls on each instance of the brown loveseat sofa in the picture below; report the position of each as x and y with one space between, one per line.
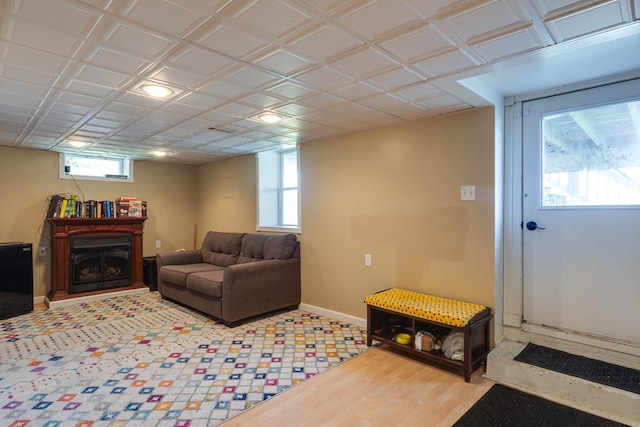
234 276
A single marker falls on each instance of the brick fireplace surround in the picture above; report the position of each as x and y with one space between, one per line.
63 229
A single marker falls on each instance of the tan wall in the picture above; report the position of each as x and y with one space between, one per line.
227 196
393 193
29 177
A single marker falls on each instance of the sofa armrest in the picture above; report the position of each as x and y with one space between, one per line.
184 257
258 287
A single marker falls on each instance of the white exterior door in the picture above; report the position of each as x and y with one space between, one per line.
581 187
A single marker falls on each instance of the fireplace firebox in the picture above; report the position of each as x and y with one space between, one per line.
99 262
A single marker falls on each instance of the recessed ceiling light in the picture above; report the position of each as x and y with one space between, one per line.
270 118
77 144
156 90
159 153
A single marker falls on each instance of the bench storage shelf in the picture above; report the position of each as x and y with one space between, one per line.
387 315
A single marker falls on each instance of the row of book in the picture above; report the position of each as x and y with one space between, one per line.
72 207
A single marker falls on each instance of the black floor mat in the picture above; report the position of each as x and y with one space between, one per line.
582 367
504 407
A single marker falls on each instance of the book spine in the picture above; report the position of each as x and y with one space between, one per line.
63 207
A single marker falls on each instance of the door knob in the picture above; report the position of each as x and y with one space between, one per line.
531 225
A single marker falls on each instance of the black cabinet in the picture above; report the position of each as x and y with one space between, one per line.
150 273
16 279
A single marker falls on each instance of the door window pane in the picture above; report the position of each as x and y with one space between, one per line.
591 156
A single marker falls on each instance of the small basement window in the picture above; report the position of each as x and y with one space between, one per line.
88 167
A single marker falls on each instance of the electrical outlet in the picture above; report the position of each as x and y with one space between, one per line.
367 260
42 251
158 244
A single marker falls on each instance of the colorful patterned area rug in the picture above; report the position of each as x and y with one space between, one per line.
139 360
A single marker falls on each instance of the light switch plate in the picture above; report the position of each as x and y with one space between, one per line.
468 192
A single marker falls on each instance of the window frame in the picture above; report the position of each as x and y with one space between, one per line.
126 166
279 189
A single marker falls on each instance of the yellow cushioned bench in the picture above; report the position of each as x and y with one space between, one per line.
414 311
424 306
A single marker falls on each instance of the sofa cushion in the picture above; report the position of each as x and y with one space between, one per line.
251 249
206 282
279 247
221 249
177 273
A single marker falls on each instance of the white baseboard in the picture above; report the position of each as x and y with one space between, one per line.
38 300
358 321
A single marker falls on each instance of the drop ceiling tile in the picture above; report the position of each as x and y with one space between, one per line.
323 117
273 19
16 112
417 92
430 8
422 42
375 18
262 101
165 16
325 41
184 109
217 117
390 105
101 76
586 21
110 124
200 100
136 41
289 90
200 61
482 19
356 90
117 61
241 126
442 103
78 99
177 78
395 79
322 101
294 110
283 139
69 17
140 100
509 45
251 77
23 89
446 64
362 113
239 110
550 9
323 78
123 111
231 41
41 38
282 62
224 90
363 62
34 59
259 146
67 108
28 75
62 116
326 6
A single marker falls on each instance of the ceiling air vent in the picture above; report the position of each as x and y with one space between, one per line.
218 129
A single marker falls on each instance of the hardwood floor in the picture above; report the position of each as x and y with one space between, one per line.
379 388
